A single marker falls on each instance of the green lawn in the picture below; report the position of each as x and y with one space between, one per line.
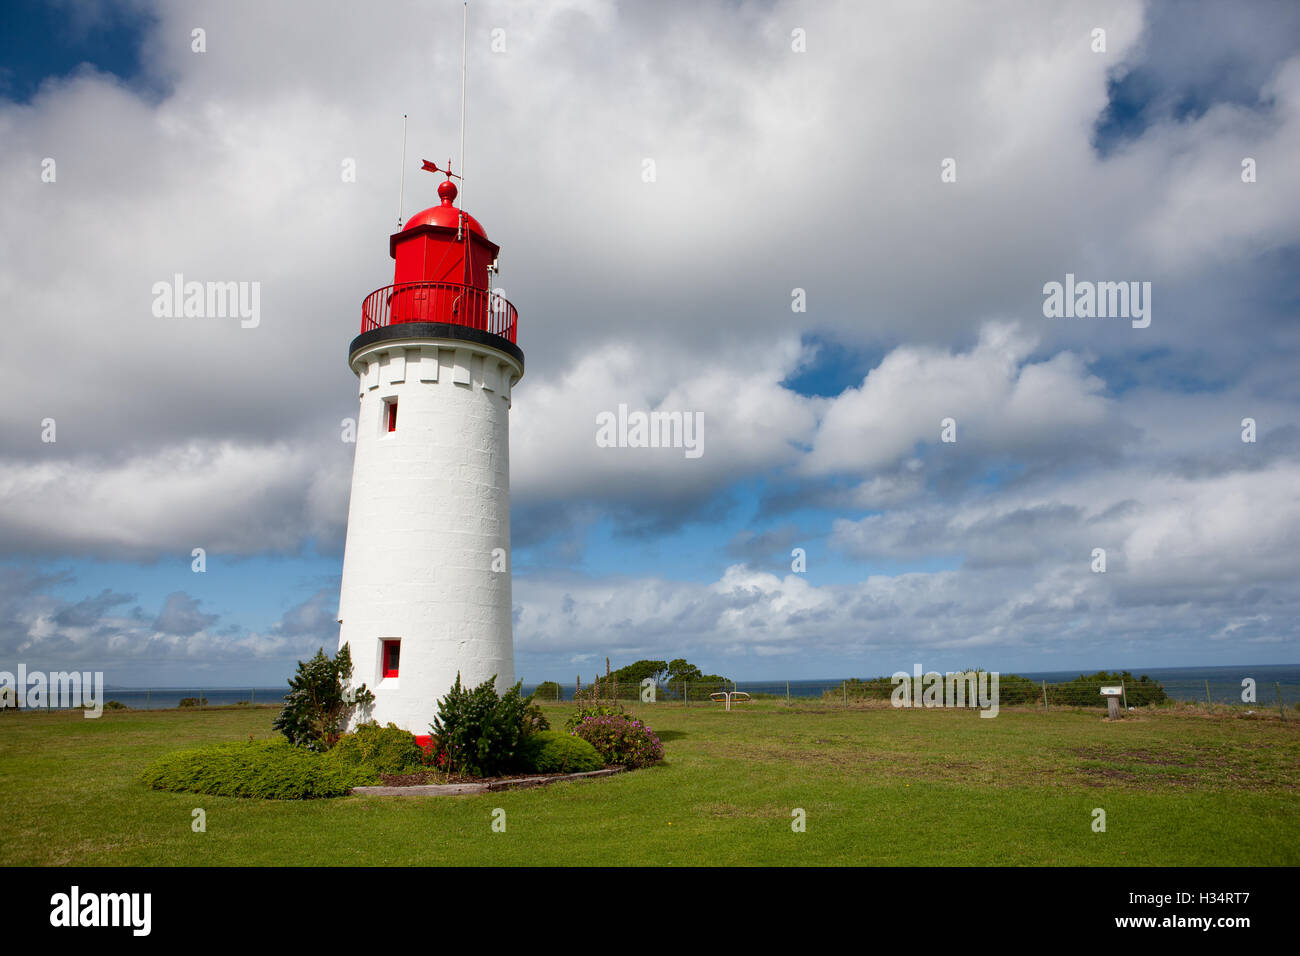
879 786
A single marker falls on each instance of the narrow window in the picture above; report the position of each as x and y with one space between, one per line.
390 416
392 650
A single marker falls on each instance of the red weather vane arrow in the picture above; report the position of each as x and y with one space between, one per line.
433 168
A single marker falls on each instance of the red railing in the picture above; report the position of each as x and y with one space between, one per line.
450 302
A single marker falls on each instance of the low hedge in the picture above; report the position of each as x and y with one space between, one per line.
550 751
268 769
382 749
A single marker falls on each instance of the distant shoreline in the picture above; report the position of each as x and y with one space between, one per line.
1180 683
1222 671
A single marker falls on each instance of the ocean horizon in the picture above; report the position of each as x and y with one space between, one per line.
1180 683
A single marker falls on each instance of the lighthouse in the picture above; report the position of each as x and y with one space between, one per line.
426 579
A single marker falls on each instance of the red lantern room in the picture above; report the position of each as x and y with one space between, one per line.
432 247
443 256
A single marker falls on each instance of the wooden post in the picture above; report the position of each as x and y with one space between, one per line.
252 697
1208 703
1124 690
787 692
1281 705
1045 708
845 685
200 700
146 699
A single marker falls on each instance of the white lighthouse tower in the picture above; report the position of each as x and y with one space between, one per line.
426 579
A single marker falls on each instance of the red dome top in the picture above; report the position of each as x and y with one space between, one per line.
445 214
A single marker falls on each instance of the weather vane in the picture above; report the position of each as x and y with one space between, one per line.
433 168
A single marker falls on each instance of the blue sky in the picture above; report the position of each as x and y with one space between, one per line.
43 40
778 170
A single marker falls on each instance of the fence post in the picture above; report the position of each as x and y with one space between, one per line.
1208 703
1281 705
686 693
787 692
845 685
1124 690
252 697
146 698
1045 707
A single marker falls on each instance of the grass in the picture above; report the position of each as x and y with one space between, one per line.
879 786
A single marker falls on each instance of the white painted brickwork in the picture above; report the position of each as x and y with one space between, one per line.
430 502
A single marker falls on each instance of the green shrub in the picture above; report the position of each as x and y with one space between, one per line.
478 731
551 751
382 749
1012 688
193 702
108 705
1085 690
548 690
686 681
621 740
268 769
320 700
591 710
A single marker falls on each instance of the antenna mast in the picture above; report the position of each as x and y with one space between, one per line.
464 35
401 189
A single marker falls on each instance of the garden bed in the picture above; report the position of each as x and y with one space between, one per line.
474 786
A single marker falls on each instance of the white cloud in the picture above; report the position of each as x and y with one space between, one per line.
1000 400
108 631
776 170
220 496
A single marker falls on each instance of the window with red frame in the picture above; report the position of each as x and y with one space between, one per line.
390 415
392 651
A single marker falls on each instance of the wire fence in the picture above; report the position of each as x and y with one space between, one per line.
163 698
972 689
969 689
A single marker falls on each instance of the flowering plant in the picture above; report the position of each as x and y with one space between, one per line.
621 739
588 709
